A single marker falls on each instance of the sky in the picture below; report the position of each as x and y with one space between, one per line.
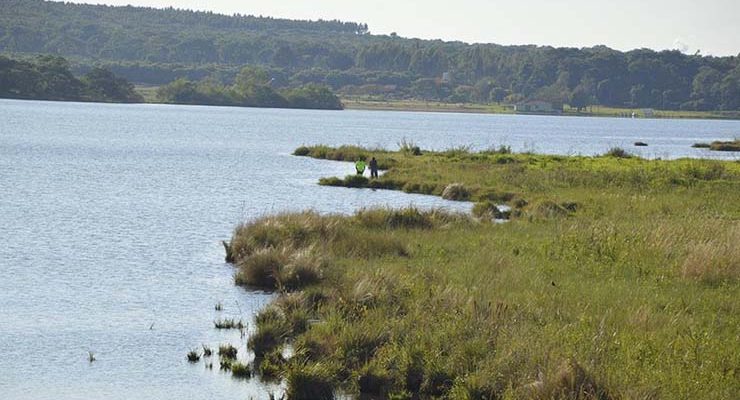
709 26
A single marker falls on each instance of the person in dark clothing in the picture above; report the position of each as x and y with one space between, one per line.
373 168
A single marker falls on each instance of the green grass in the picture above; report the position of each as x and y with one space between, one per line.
616 278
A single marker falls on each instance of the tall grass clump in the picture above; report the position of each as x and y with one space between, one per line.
227 351
240 370
310 382
457 192
715 260
487 210
272 331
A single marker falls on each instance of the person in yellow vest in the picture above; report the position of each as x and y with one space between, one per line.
360 166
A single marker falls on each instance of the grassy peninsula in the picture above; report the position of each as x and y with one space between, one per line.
615 278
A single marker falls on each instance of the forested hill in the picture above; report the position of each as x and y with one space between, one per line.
155 46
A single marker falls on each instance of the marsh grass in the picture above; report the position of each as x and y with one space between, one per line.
193 356
240 370
457 192
310 382
618 280
227 352
228 323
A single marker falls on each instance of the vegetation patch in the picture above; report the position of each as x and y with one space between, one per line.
617 278
227 351
228 323
733 145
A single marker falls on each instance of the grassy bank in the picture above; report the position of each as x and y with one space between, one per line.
618 278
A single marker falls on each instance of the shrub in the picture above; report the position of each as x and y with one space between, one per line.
456 191
310 382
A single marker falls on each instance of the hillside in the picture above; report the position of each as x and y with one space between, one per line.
157 46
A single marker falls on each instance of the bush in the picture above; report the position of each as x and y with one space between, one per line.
456 191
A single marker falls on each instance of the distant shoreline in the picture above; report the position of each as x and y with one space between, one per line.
471 108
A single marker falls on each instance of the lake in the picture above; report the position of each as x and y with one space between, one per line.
111 218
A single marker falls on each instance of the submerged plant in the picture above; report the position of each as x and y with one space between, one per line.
227 351
228 323
193 356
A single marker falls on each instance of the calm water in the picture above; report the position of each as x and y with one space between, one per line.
111 217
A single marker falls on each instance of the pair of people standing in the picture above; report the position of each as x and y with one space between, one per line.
360 167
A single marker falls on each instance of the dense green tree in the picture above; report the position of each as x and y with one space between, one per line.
49 78
153 46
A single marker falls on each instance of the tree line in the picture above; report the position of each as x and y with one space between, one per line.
50 78
159 46
251 88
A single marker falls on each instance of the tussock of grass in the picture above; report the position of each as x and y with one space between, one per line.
310 382
270 366
240 370
272 331
227 351
456 191
487 210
